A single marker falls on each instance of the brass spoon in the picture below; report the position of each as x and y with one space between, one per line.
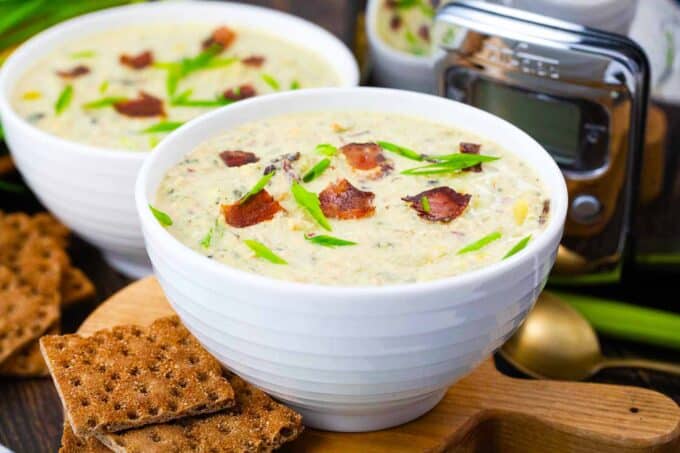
556 342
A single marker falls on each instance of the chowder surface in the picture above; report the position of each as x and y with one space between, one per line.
406 27
284 66
395 245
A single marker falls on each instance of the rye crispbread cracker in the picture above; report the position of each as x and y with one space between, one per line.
25 314
28 361
129 377
256 424
75 287
70 443
45 224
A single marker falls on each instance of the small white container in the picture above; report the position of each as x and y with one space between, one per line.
350 358
91 189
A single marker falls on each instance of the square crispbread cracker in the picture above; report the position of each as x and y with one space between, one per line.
70 443
129 376
256 424
75 287
45 224
28 361
25 314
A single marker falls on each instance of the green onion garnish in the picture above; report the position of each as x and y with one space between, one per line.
104 86
104 102
84 54
271 81
64 99
425 204
262 251
414 43
326 149
207 239
12 187
452 164
162 217
316 170
328 241
518 247
404 152
483 242
219 101
310 202
259 185
294 85
220 63
163 126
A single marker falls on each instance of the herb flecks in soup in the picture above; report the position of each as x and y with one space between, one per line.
126 88
450 202
405 24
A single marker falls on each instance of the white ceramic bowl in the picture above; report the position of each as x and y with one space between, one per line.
394 68
91 189
350 358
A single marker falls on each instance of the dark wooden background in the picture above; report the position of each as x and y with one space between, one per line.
30 411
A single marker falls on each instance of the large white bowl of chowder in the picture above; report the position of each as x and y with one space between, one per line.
351 251
83 103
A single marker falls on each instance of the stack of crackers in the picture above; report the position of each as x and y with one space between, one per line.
36 281
155 389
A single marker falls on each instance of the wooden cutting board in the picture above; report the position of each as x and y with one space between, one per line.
484 412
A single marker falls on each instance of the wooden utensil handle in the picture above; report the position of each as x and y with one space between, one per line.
573 416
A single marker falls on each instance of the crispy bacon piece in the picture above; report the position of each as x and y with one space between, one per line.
471 148
145 105
222 36
254 60
341 200
238 158
395 22
363 156
445 204
139 61
242 92
74 72
544 212
258 208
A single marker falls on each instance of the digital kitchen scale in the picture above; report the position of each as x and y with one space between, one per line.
581 93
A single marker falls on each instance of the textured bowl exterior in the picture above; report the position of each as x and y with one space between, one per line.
350 358
393 68
92 189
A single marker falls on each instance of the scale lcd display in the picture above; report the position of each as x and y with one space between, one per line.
553 123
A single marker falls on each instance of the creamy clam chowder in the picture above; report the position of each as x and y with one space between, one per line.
405 24
352 198
126 88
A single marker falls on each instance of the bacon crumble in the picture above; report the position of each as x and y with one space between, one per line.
424 33
471 148
144 106
544 212
367 156
139 61
222 37
254 60
258 208
74 72
238 158
395 22
445 204
341 200
238 94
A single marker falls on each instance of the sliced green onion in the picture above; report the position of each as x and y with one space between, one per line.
271 81
518 247
220 63
481 243
12 187
328 241
84 54
64 99
104 102
207 239
316 170
326 149
262 251
310 202
259 185
161 216
294 85
104 86
163 126
404 152
454 163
